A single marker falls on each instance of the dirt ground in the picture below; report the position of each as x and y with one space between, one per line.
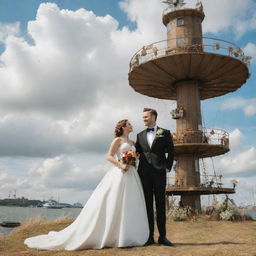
191 238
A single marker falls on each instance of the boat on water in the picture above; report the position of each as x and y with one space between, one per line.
77 205
9 224
52 204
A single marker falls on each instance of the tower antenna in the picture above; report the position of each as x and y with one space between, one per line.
174 4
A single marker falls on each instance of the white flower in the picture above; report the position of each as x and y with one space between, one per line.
160 132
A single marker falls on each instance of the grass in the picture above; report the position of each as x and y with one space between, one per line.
198 237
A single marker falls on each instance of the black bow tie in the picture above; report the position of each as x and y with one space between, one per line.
150 129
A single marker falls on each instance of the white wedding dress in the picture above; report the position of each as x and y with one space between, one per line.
114 216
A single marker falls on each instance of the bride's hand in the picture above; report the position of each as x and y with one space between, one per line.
124 167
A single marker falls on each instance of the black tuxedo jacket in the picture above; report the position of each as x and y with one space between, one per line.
154 158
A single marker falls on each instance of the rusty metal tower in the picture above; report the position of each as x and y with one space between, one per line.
188 68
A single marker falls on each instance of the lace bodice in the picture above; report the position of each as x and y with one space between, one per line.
124 147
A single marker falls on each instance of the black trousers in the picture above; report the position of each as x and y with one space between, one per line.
154 183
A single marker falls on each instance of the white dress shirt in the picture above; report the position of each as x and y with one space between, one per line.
151 136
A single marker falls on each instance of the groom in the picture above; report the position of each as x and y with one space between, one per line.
152 144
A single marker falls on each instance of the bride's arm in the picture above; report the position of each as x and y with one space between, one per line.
112 151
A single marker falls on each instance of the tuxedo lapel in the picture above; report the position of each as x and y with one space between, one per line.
145 140
155 139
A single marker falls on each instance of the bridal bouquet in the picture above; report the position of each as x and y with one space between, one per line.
129 157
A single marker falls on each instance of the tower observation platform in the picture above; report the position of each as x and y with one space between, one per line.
188 68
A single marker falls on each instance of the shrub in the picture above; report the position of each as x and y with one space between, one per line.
179 213
228 214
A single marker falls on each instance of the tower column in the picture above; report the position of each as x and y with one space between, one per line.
188 130
189 99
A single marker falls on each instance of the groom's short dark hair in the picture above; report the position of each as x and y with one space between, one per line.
152 111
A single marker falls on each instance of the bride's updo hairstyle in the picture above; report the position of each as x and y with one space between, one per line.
119 127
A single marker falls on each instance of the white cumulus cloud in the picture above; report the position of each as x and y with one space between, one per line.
221 15
62 172
243 164
250 50
235 139
7 30
247 105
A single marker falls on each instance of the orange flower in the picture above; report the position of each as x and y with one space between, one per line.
129 157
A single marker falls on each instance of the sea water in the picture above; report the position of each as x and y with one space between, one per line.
22 214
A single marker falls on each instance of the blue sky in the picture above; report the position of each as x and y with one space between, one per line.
25 10
22 11
64 83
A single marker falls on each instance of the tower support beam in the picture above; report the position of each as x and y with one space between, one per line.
188 129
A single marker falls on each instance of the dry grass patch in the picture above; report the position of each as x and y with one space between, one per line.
192 238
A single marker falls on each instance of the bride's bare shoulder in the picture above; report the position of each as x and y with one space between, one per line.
116 141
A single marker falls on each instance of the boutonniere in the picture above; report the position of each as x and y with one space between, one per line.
160 132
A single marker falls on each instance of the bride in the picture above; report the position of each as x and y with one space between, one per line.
114 216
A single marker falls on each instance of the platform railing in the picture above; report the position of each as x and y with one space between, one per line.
171 9
188 45
207 135
207 181
216 136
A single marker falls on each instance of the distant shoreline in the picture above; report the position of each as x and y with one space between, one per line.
24 202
